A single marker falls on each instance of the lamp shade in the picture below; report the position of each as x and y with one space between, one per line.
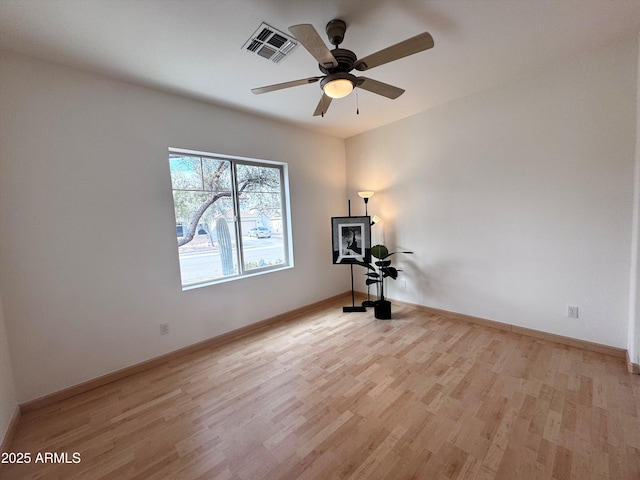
366 194
375 219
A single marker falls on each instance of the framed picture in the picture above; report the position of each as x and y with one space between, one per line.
351 239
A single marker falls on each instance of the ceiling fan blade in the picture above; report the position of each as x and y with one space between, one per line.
380 88
323 105
310 39
280 86
412 45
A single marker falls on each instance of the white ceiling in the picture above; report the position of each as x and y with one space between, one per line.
193 47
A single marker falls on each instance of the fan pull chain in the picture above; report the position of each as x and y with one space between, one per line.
357 103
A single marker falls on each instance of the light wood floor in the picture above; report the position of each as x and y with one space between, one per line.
337 396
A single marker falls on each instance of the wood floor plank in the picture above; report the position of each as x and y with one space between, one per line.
330 395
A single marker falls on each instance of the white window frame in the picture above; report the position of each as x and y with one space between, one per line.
286 216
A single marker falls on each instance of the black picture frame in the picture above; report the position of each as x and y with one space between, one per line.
351 239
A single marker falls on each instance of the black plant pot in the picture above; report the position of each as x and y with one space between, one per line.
382 309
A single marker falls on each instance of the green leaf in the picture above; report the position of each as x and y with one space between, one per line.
390 272
379 251
370 281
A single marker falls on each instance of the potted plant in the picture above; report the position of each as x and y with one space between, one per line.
377 275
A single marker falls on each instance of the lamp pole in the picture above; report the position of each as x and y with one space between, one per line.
366 195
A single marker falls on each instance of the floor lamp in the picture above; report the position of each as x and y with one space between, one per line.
366 195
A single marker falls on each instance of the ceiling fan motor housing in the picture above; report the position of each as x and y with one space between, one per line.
345 58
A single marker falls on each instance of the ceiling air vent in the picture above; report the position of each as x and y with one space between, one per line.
270 43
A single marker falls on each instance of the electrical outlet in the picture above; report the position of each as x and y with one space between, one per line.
404 284
164 328
572 311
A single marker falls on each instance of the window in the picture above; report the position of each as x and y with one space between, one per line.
231 216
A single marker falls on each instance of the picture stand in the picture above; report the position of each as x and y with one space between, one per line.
353 307
351 242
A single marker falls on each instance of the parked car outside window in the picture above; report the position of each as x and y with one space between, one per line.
260 232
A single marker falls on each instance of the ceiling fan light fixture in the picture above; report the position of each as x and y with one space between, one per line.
338 88
338 84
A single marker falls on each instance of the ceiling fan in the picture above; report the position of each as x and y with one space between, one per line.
336 64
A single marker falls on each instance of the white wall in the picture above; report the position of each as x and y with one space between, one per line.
87 239
518 200
8 399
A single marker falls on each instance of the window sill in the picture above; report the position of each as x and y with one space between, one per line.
232 278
